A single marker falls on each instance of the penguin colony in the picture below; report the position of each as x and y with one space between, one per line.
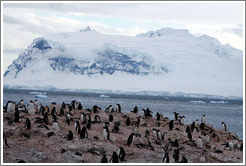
77 134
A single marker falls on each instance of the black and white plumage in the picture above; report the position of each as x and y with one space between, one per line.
154 133
223 126
82 118
114 158
70 135
116 128
165 158
106 133
118 108
128 121
31 107
184 160
199 142
171 125
203 119
110 117
135 110
16 116
28 124
83 133
10 106
176 155
130 139
104 158
121 154
97 119
77 127
189 136
176 115
167 147
109 109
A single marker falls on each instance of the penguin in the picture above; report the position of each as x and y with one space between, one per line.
111 117
182 120
165 158
88 124
157 124
146 133
159 135
104 158
135 110
203 119
202 126
223 126
189 136
73 104
95 109
114 158
196 123
82 118
176 155
31 107
21 102
184 160
28 124
70 135
56 125
10 106
128 121
171 125
77 127
203 157
35 104
121 154
199 142
5 143
118 108
50 119
83 133
130 139
176 143
154 133
163 136
16 116
106 133
148 113
80 107
207 139
116 128
158 116
109 109
97 118
67 120
176 115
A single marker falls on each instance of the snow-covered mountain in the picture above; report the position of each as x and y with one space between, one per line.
168 59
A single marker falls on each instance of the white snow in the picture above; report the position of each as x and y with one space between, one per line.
195 64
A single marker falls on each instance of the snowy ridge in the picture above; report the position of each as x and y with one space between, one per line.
167 60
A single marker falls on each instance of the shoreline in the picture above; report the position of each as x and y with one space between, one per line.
34 149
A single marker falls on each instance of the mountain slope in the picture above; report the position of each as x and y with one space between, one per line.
163 60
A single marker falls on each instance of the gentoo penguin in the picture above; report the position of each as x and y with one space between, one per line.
82 118
223 126
31 107
128 121
109 109
114 158
16 116
122 154
5 143
77 127
28 124
135 110
176 115
104 158
83 133
154 133
184 160
80 107
97 118
159 135
158 116
203 119
199 142
106 133
196 123
70 135
203 157
176 155
165 158
118 108
171 125
130 139
56 125
111 118
189 136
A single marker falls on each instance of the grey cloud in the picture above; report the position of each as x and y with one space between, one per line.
10 20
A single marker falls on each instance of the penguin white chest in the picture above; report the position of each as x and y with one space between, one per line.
105 134
199 143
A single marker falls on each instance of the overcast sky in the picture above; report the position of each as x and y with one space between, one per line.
22 22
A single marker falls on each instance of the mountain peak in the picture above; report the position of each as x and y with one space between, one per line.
165 32
87 29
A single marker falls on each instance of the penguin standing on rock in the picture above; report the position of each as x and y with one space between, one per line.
122 154
114 158
83 133
223 126
28 124
128 121
111 118
165 158
16 116
118 108
106 133
130 139
199 142
171 125
104 158
70 135
77 127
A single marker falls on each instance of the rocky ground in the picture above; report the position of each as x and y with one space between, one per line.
40 148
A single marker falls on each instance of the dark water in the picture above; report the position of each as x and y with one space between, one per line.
230 113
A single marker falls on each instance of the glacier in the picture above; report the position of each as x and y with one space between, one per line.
165 60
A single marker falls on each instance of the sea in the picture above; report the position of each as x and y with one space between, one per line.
216 110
